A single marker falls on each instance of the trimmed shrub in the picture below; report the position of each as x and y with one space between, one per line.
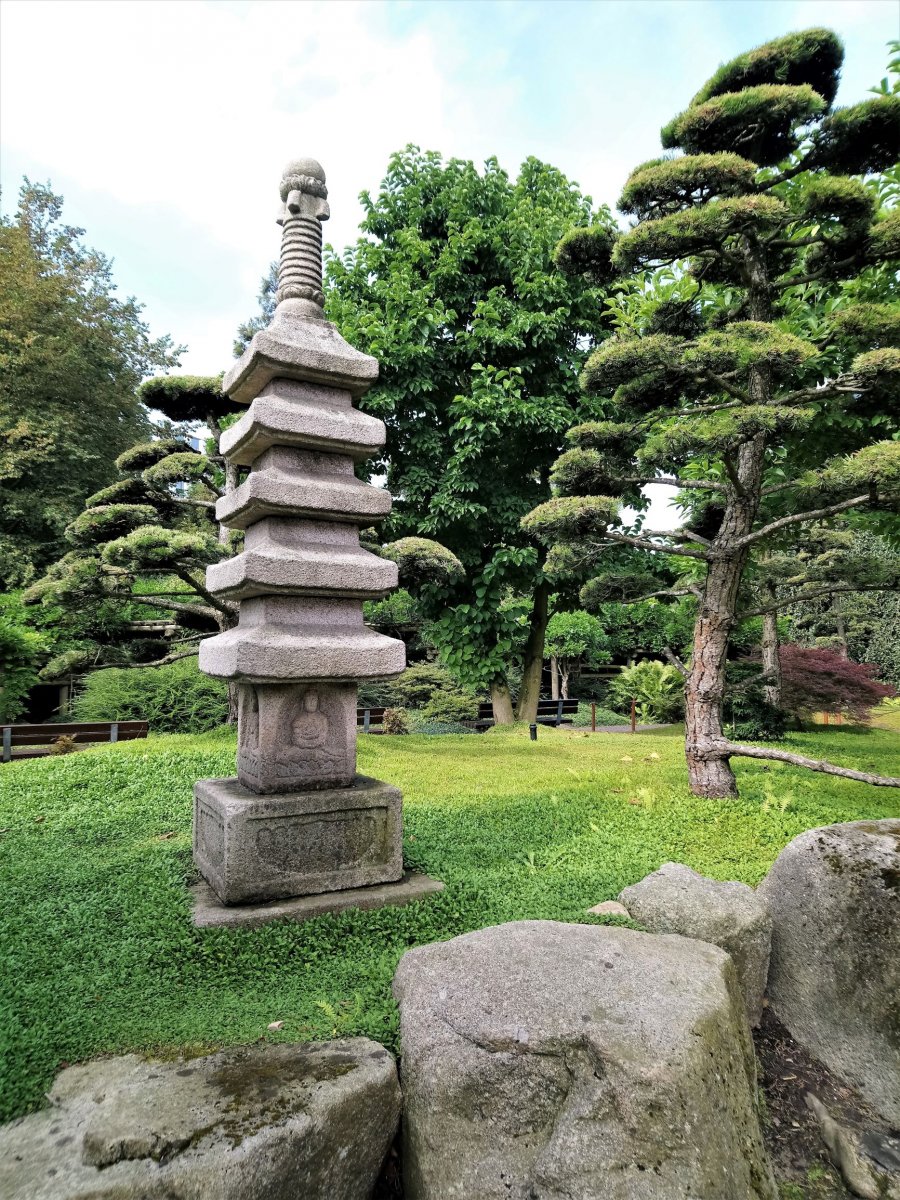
395 720
175 698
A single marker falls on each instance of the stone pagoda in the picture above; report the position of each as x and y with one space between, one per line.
298 820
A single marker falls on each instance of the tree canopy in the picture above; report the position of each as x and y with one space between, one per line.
710 384
453 288
72 354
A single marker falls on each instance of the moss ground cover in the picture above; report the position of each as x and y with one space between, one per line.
97 953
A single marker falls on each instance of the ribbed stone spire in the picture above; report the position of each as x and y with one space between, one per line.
298 819
305 199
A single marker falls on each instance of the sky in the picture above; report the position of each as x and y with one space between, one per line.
165 124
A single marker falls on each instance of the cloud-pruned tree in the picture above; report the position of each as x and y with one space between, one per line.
714 376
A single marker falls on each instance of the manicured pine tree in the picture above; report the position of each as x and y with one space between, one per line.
714 376
155 523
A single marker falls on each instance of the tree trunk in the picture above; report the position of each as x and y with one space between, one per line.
565 685
709 770
841 627
533 666
554 678
502 702
771 660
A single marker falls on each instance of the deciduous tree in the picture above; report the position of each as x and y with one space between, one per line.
71 356
480 341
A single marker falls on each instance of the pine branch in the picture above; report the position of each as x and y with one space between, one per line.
160 662
675 661
799 760
200 590
833 590
194 610
643 544
813 514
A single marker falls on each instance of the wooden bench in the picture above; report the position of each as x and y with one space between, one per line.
549 712
31 737
370 720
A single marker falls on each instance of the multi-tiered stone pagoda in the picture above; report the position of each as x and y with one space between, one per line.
298 820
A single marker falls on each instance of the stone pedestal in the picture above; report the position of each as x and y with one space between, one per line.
254 848
298 821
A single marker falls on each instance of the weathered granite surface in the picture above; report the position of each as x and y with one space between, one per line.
288 413
559 1061
262 1122
834 978
255 848
676 899
300 644
304 639
302 483
210 911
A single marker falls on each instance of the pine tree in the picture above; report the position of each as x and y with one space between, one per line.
713 377
147 538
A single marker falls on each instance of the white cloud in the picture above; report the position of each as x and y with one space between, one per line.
182 114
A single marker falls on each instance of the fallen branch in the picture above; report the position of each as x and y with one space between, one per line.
811 764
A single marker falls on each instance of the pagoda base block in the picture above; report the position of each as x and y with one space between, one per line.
210 911
255 848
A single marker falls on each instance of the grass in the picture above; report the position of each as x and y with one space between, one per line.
99 956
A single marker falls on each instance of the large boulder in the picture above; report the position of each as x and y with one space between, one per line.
576 1062
676 899
263 1122
834 978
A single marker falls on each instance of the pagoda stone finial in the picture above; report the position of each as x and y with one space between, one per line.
304 207
297 819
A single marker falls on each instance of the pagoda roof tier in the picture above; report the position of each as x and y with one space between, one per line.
298 347
290 482
302 558
287 413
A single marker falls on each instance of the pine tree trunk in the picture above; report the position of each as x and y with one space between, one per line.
771 661
841 627
554 678
709 769
534 654
502 702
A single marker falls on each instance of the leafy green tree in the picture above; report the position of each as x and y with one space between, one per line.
713 376
71 356
480 341
859 618
21 650
574 639
655 687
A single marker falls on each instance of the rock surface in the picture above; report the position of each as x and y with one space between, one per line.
834 979
863 1175
676 899
263 1122
577 1062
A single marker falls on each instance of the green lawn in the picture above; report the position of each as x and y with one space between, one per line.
99 955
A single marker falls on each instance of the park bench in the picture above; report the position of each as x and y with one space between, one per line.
549 712
33 741
369 720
